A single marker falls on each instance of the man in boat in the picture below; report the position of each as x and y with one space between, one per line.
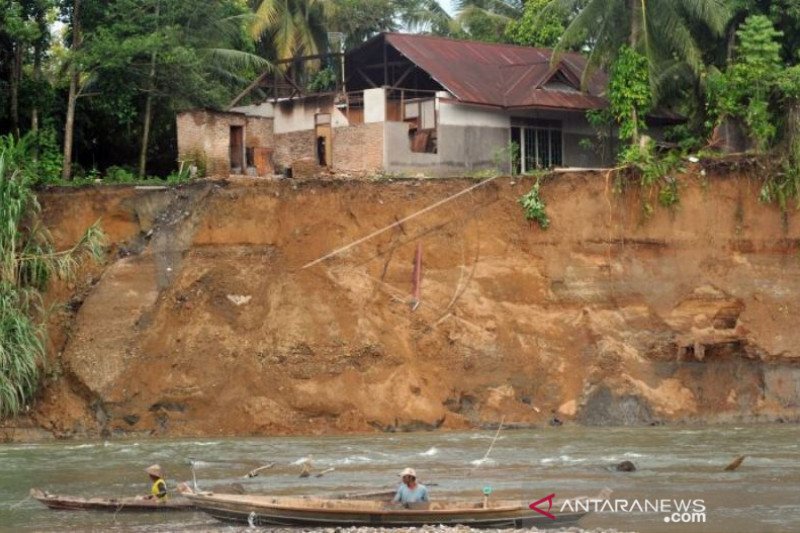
410 491
158 490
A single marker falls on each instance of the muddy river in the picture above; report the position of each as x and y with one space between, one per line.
677 466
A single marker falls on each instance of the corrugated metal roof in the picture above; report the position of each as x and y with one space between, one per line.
498 74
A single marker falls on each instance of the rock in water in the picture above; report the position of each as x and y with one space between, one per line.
626 466
735 464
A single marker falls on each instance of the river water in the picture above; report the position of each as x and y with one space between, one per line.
674 463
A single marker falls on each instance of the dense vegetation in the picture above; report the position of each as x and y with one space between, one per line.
89 89
99 82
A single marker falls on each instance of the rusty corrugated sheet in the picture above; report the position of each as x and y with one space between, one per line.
498 74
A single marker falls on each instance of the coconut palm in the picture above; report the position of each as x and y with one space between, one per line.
665 31
426 16
292 27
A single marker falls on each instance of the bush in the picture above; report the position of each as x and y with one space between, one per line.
27 262
116 174
534 207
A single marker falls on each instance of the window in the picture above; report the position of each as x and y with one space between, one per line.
540 145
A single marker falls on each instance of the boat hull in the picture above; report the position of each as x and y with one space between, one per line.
260 511
114 505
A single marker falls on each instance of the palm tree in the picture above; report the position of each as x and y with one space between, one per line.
491 16
665 31
292 27
426 16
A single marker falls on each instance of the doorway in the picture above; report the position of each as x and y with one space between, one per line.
322 133
237 150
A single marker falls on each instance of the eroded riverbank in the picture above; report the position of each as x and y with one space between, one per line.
204 323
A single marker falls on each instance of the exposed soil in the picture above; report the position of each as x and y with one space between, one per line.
203 321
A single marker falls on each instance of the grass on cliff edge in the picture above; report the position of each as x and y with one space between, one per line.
28 261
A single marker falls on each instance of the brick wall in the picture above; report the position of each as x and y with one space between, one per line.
259 133
289 147
204 137
358 148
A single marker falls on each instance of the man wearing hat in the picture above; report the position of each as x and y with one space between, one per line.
159 489
410 491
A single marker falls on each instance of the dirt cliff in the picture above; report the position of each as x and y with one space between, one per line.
203 321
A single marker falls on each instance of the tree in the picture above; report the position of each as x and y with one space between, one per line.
667 33
664 31
359 20
74 78
426 16
487 20
752 81
292 27
21 28
143 60
538 26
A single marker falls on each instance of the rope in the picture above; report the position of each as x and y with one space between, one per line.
397 223
20 502
496 434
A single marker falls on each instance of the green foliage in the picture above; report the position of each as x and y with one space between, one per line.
115 174
782 187
36 157
359 20
670 33
538 26
323 80
27 263
745 89
655 173
482 25
629 93
534 206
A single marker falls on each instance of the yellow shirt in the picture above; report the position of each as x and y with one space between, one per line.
159 489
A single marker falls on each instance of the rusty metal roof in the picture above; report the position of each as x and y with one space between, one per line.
502 75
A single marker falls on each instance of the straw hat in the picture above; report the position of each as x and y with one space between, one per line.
154 470
408 472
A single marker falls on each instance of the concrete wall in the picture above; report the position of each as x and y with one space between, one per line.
466 115
265 109
204 138
461 149
298 115
472 138
374 105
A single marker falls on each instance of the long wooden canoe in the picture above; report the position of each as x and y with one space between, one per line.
260 510
76 503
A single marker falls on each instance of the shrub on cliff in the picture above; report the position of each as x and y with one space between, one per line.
28 261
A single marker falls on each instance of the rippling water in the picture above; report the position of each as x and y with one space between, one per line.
763 495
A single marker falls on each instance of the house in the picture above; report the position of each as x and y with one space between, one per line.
409 104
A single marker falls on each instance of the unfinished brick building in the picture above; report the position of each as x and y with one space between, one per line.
410 103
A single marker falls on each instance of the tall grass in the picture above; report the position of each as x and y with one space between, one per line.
28 261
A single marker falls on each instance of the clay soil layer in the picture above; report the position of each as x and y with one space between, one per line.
203 321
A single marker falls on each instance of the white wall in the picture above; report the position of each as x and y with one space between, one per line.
298 115
265 109
453 114
374 105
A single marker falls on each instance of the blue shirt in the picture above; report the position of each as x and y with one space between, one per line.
407 495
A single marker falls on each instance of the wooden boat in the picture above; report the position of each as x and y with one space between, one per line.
75 503
258 510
